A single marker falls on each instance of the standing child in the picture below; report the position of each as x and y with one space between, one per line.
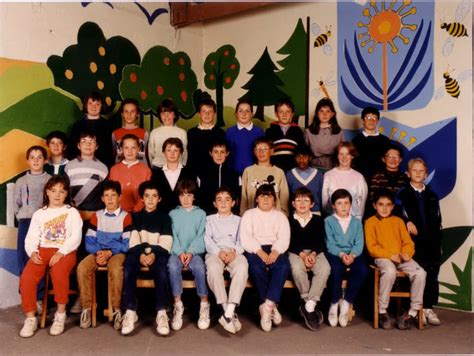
52 240
265 237
241 137
188 222
57 144
224 252
389 243
130 173
106 242
129 110
150 246
421 210
306 252
345 243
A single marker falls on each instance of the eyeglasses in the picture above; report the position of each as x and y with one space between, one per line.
262 149
303 200
392 156
371 117
244 111
88 141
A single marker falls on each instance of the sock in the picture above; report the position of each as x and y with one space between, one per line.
413 312
382 310
204 304
229 311
268 304
179 304
224 307
310 305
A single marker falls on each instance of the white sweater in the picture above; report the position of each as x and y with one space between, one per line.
155 144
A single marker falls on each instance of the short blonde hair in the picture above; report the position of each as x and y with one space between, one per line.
417 160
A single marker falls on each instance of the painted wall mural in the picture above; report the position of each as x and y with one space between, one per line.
150 16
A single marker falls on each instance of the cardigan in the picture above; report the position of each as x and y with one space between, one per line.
199 145
310 237
352 241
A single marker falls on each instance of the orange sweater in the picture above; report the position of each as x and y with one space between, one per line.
385 237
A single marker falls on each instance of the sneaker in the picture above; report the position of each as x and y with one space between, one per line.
332 315
162 325
58 324
344 307
310 318
128 321
265 318
276 316
319 315
76 307
431 317
237 324
117 317
406 321
385 322
29 327
39 307
227 324
86 319
204 319
177 321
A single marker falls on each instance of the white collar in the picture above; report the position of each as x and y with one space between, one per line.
418 190
130 164
116 212
249 127
165 167
366 134
342 219
205 128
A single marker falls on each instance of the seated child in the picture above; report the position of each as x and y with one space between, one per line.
188 222
130 110
130 173
421 210
57 144
224 252
345 243
107 242
306 252
389 243
265 237
52 240
150 246
305 176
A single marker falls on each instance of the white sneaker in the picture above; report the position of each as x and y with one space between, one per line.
162 325
227 324
76 307
344 307
29 327
276 316
204 319
332 315
86 319
431 317
177 321
237 324
128 321
265 318
58 324
39 307
117 318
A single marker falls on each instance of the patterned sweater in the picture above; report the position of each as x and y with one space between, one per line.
29 194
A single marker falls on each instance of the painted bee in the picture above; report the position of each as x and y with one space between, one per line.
451 85
455 29
321 38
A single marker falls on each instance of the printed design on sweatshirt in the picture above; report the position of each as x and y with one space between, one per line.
54 231
270 180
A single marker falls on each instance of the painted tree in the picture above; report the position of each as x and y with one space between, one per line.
221 68
295 68
93 64
263 89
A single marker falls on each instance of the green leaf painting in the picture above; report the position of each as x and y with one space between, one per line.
452 239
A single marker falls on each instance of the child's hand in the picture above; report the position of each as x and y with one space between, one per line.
272 257
55 259
263 256
36 258
230 257
303 256
395 258
182 258
348 259
405 257
412 228
147 260
189 257
222 256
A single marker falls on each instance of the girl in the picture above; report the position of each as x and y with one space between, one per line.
52 240
323 135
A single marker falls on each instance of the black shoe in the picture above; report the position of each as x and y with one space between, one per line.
319 315
385 322
310 319
406 321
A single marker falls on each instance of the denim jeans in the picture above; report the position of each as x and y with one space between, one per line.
197 268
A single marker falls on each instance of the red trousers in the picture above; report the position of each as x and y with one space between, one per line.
33 273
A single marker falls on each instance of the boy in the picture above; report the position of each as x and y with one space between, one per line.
421 210
188 222
241 137
263 173
106 242
285 134
305 176
218 175
201 136
306 252
150 246
389 243
57 143
265 237
224 252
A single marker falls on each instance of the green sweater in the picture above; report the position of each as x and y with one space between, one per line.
188 230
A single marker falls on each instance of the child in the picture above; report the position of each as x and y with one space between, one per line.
265 236
285 134
218 175
188 222
306 252
263 173
95 123
241 137
370 144
345 243
129 110
305 176
52 240
168 115
57 143
422 212
150 245
130 173
324 135
389 243
224 252
201 137
106 242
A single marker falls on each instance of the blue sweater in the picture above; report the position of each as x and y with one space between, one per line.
188 230
241 143
337 241
314 182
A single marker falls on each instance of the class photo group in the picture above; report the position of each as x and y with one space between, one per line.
227 207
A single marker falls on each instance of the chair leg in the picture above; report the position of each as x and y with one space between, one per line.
109 299
376 298
94 301
421 326
45 300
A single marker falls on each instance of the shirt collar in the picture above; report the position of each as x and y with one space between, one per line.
165 167
301 220
130 164
366 134
114 213
342 219
203 128
223 216
63 161
417 189
249 127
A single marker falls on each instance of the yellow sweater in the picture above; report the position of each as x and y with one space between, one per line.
385 237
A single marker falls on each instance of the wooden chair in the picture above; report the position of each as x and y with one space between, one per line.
107 312
344 287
